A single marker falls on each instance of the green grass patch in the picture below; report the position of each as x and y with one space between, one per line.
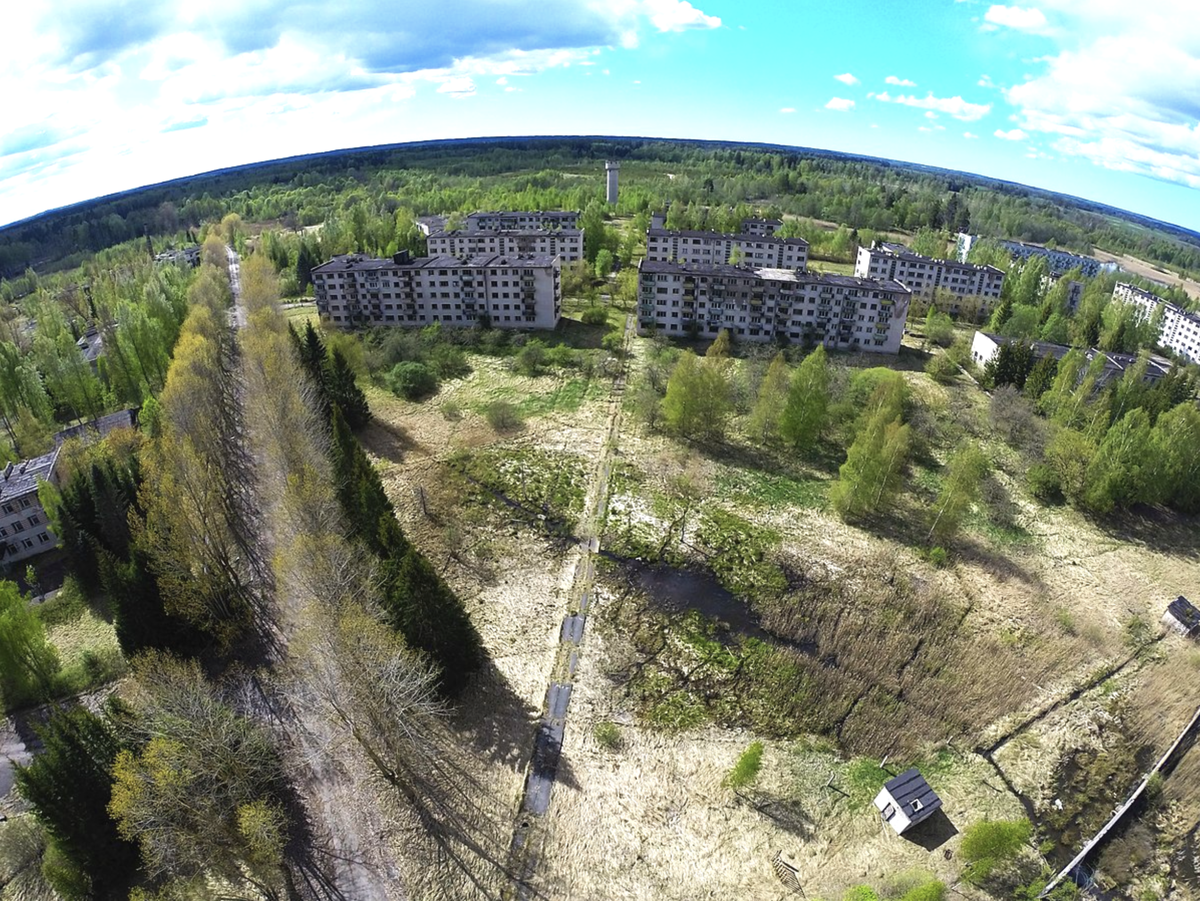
536 482
766 489
88 651
747 768
566 398
739 554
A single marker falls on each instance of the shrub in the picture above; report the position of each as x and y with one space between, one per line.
746 769
412 380
594 316
65 607
452 411
941 368
614 343
860 893
608 736
990 844
448 361
531 357
938 557
1044 484
503 416
930 891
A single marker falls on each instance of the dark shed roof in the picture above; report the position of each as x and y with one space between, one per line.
911 786
1183 611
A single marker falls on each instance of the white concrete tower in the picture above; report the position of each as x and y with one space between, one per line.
611 169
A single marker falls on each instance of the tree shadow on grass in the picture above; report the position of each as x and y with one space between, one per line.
1154 528
388 441
496 721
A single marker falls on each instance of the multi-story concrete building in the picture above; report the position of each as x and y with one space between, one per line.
24 530
771 304
497 220
924 275
1180 329
753 249
564 243
356 291
1059 262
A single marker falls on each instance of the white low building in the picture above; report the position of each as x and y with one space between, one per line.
356 291
906 801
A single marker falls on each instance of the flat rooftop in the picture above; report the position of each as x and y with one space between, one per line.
728 270
354 262
724 236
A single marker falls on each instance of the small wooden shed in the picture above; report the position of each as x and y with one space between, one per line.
906 800
1182 617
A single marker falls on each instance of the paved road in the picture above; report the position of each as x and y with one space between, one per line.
237 314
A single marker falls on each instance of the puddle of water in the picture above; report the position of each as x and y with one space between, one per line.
681 590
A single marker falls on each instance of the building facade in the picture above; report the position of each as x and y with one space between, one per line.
356 291
564 243
924 275
771 304
1180 330
715 248
765 227
498 220
24 529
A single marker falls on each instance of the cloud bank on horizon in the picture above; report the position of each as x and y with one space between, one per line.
106 95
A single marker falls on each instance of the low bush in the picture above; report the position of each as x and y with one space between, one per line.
608 736
1044 484
595 316
988 845
503 416
412 380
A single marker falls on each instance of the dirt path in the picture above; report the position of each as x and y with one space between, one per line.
529 833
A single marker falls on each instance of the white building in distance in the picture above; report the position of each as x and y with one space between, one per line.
753 248
985 346
498 220
564 243
356 291
771 304
1059 262
24 530
1180 331
924 275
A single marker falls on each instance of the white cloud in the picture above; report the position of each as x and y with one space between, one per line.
1013 134
931 115
1031 19
678 15
969 136
102 96
846 78
1127 95
788 109
951 106
901 82
985 81
841 104
457 86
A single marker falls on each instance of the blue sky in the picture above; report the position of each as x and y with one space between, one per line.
1099 98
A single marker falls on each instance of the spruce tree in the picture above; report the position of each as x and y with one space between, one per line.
358 486
343 391
69 787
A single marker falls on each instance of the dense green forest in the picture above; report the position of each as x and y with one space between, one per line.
373 191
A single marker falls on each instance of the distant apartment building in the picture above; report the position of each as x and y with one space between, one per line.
771 304
498 220
985 346
1074 290
924 275
748 248
1059 262
564 243
187 256
356 291
765 227
1180 331
24 529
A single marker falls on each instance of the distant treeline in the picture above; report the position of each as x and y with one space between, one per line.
449 177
